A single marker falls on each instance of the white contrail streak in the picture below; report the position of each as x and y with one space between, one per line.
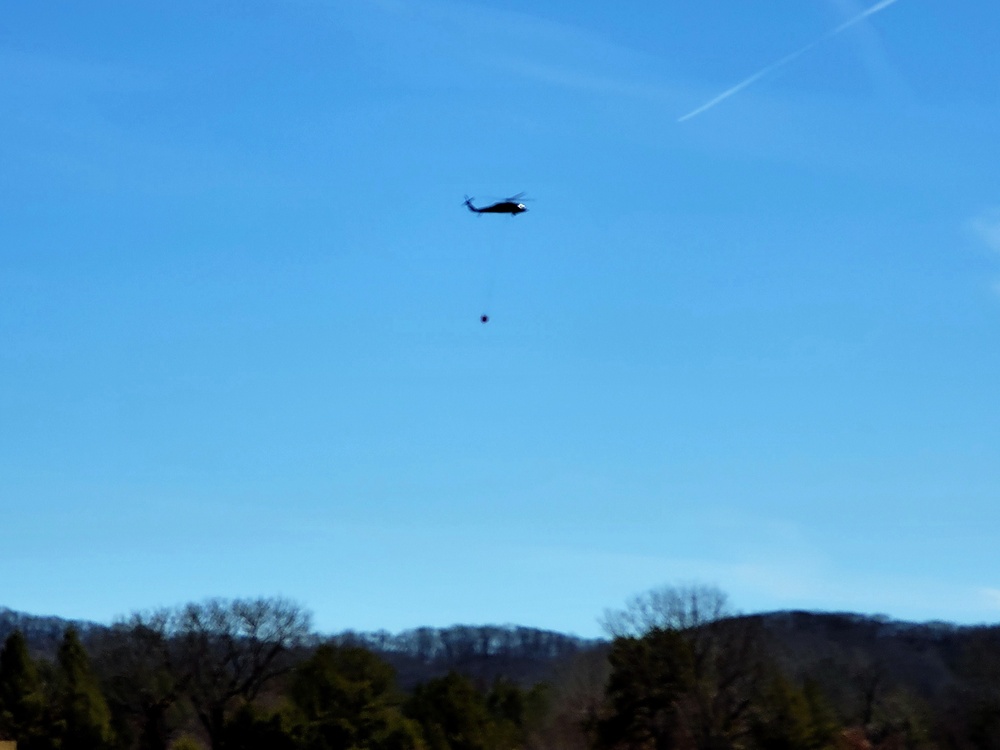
787 59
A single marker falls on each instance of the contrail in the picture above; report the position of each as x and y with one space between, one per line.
787 59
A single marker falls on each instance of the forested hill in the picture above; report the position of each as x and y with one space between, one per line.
923 654
845 646
223 670
522 654
850 652
43 633
483 652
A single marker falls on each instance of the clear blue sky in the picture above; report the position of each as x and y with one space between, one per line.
240 348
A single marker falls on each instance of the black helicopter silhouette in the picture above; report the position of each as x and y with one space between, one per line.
512 206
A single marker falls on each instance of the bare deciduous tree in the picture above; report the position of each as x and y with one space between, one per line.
231 649
136 659
689 640
216 655
667 608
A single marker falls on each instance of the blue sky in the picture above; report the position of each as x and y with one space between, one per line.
239 307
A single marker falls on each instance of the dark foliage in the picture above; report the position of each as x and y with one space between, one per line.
682 674
483 653
346 696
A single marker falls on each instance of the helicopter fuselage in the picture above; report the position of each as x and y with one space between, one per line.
503 207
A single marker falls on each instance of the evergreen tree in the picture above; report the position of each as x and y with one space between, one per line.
22 698
84 718
649 677
347 698
789 718
454 716
250 729
516 712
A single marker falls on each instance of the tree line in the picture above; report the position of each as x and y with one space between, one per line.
679 672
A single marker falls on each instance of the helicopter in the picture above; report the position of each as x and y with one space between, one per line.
512 206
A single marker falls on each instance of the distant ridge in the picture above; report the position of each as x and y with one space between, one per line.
42 632
482 652
930 658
